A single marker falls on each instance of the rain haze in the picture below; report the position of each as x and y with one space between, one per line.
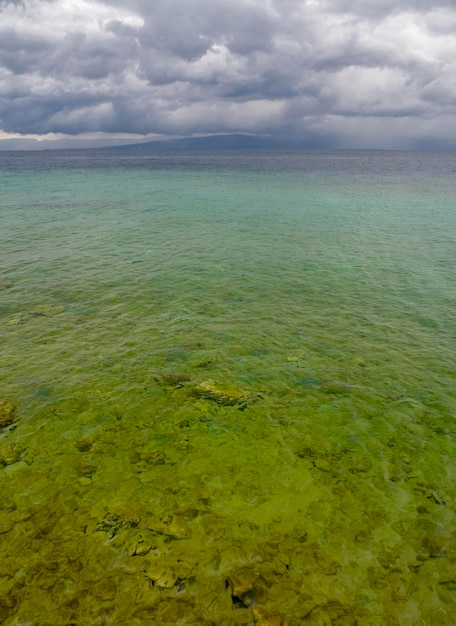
313 73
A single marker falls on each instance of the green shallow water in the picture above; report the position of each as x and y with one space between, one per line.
314 294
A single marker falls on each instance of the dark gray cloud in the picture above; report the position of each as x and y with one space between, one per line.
364 72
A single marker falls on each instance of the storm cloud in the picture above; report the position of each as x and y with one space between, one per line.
357 73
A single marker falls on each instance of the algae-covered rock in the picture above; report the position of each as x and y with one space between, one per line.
335 387
160 575
6 523
265 618
16 319
9 454
225 395
85 468
175 379
142 547
113 524
164 572
322 464
105 589
437 541
170 526
128 510
242 581
83 444
5 284
246 588
151 456
7 413
47 310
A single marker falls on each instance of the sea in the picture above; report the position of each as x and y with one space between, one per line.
227 388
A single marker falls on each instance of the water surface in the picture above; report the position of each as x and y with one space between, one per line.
232 376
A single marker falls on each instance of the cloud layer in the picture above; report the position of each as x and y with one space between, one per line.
356 73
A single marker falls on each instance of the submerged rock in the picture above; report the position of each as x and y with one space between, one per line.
160 575
265 618
225 395
16 320
6 523
170 526
113 524
335 387
5 284
246 588
47 310
142 547
175 379
7 413
83 444
9 454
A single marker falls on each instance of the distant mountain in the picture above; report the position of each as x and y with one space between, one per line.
20 144
237 141
212 142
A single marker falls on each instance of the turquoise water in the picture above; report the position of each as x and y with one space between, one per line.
227 388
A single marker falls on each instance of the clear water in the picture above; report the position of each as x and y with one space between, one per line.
234 386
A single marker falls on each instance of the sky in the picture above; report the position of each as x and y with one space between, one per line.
326 73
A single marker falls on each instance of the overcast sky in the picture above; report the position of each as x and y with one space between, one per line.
342 73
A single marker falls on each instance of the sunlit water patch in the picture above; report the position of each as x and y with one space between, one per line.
227 388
